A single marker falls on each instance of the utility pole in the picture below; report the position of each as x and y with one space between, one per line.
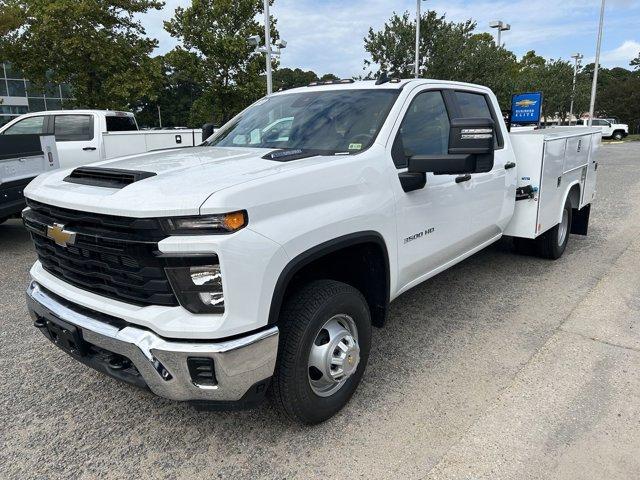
417 61
594 84
577 57
267 43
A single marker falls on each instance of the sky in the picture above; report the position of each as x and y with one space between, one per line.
326 36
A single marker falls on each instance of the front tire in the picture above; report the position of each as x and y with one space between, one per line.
553 243
618 135
325 338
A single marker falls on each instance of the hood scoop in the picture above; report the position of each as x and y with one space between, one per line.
106 177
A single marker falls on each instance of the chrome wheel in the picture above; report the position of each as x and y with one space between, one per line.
334 355
563 228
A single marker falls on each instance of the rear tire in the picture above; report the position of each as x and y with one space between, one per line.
553 242
324 323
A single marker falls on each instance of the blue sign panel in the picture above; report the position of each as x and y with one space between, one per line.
526 107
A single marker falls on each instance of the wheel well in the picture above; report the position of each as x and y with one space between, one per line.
574 196
362 264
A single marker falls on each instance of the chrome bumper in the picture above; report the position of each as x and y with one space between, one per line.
240 364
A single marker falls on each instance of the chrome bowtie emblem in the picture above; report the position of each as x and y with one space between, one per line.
62 237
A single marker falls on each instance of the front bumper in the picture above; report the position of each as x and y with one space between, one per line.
243 366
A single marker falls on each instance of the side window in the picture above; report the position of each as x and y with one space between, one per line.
424 129
32 125
70 128
473 105
476 105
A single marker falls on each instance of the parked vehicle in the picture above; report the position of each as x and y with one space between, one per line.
616 131
88 136
22 158
262 261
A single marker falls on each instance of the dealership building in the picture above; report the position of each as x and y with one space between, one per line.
18 95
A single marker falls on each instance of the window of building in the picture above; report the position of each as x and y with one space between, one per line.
30 125
3 87
36 105
53 103
73 127
12 72
16 88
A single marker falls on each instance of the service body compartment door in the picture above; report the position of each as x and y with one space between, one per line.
551 188
589 184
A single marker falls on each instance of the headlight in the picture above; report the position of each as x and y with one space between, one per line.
199 288
206 224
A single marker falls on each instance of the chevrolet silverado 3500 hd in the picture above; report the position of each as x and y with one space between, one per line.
260 261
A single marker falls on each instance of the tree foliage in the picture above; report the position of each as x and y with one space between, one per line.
98 47
448 51
214 52
286 78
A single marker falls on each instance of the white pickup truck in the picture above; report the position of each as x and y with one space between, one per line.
262 259
88 136
610 129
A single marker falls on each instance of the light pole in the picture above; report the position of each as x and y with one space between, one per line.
270 50
417 61
577 57
594 84
501 27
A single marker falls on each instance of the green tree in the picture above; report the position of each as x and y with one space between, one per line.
635 63
97 47
214 53
448 51
286 78
174 98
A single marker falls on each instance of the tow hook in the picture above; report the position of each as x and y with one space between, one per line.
116 362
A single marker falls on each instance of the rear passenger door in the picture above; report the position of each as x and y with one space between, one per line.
491 196
77 139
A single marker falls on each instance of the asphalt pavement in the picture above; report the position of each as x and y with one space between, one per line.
503 367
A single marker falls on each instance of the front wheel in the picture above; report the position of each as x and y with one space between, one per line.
552 243
325 338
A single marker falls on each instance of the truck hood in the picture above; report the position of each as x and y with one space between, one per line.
184 179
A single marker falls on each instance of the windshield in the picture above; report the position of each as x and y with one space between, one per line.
338 121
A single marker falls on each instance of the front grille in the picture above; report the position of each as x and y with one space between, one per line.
116 257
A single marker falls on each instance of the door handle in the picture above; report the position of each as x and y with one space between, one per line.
509 165
463 178
87 149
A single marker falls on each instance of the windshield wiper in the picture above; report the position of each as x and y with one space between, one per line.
287 154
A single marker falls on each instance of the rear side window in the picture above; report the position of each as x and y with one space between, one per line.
473 105
476 105
30 125
125 123
70 128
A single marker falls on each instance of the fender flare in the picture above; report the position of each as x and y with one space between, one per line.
318 251
566 195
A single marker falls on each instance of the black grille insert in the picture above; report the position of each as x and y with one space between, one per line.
112 256
106 177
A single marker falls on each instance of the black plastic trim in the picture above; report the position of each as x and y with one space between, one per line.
317 252
106 177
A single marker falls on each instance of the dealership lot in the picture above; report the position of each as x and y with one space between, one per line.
501 367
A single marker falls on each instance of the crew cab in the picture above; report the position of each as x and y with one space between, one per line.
261 259
88 136
609 128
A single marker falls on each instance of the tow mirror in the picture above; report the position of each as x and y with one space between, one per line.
207 130
471 144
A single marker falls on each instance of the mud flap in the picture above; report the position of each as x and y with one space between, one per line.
580 220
